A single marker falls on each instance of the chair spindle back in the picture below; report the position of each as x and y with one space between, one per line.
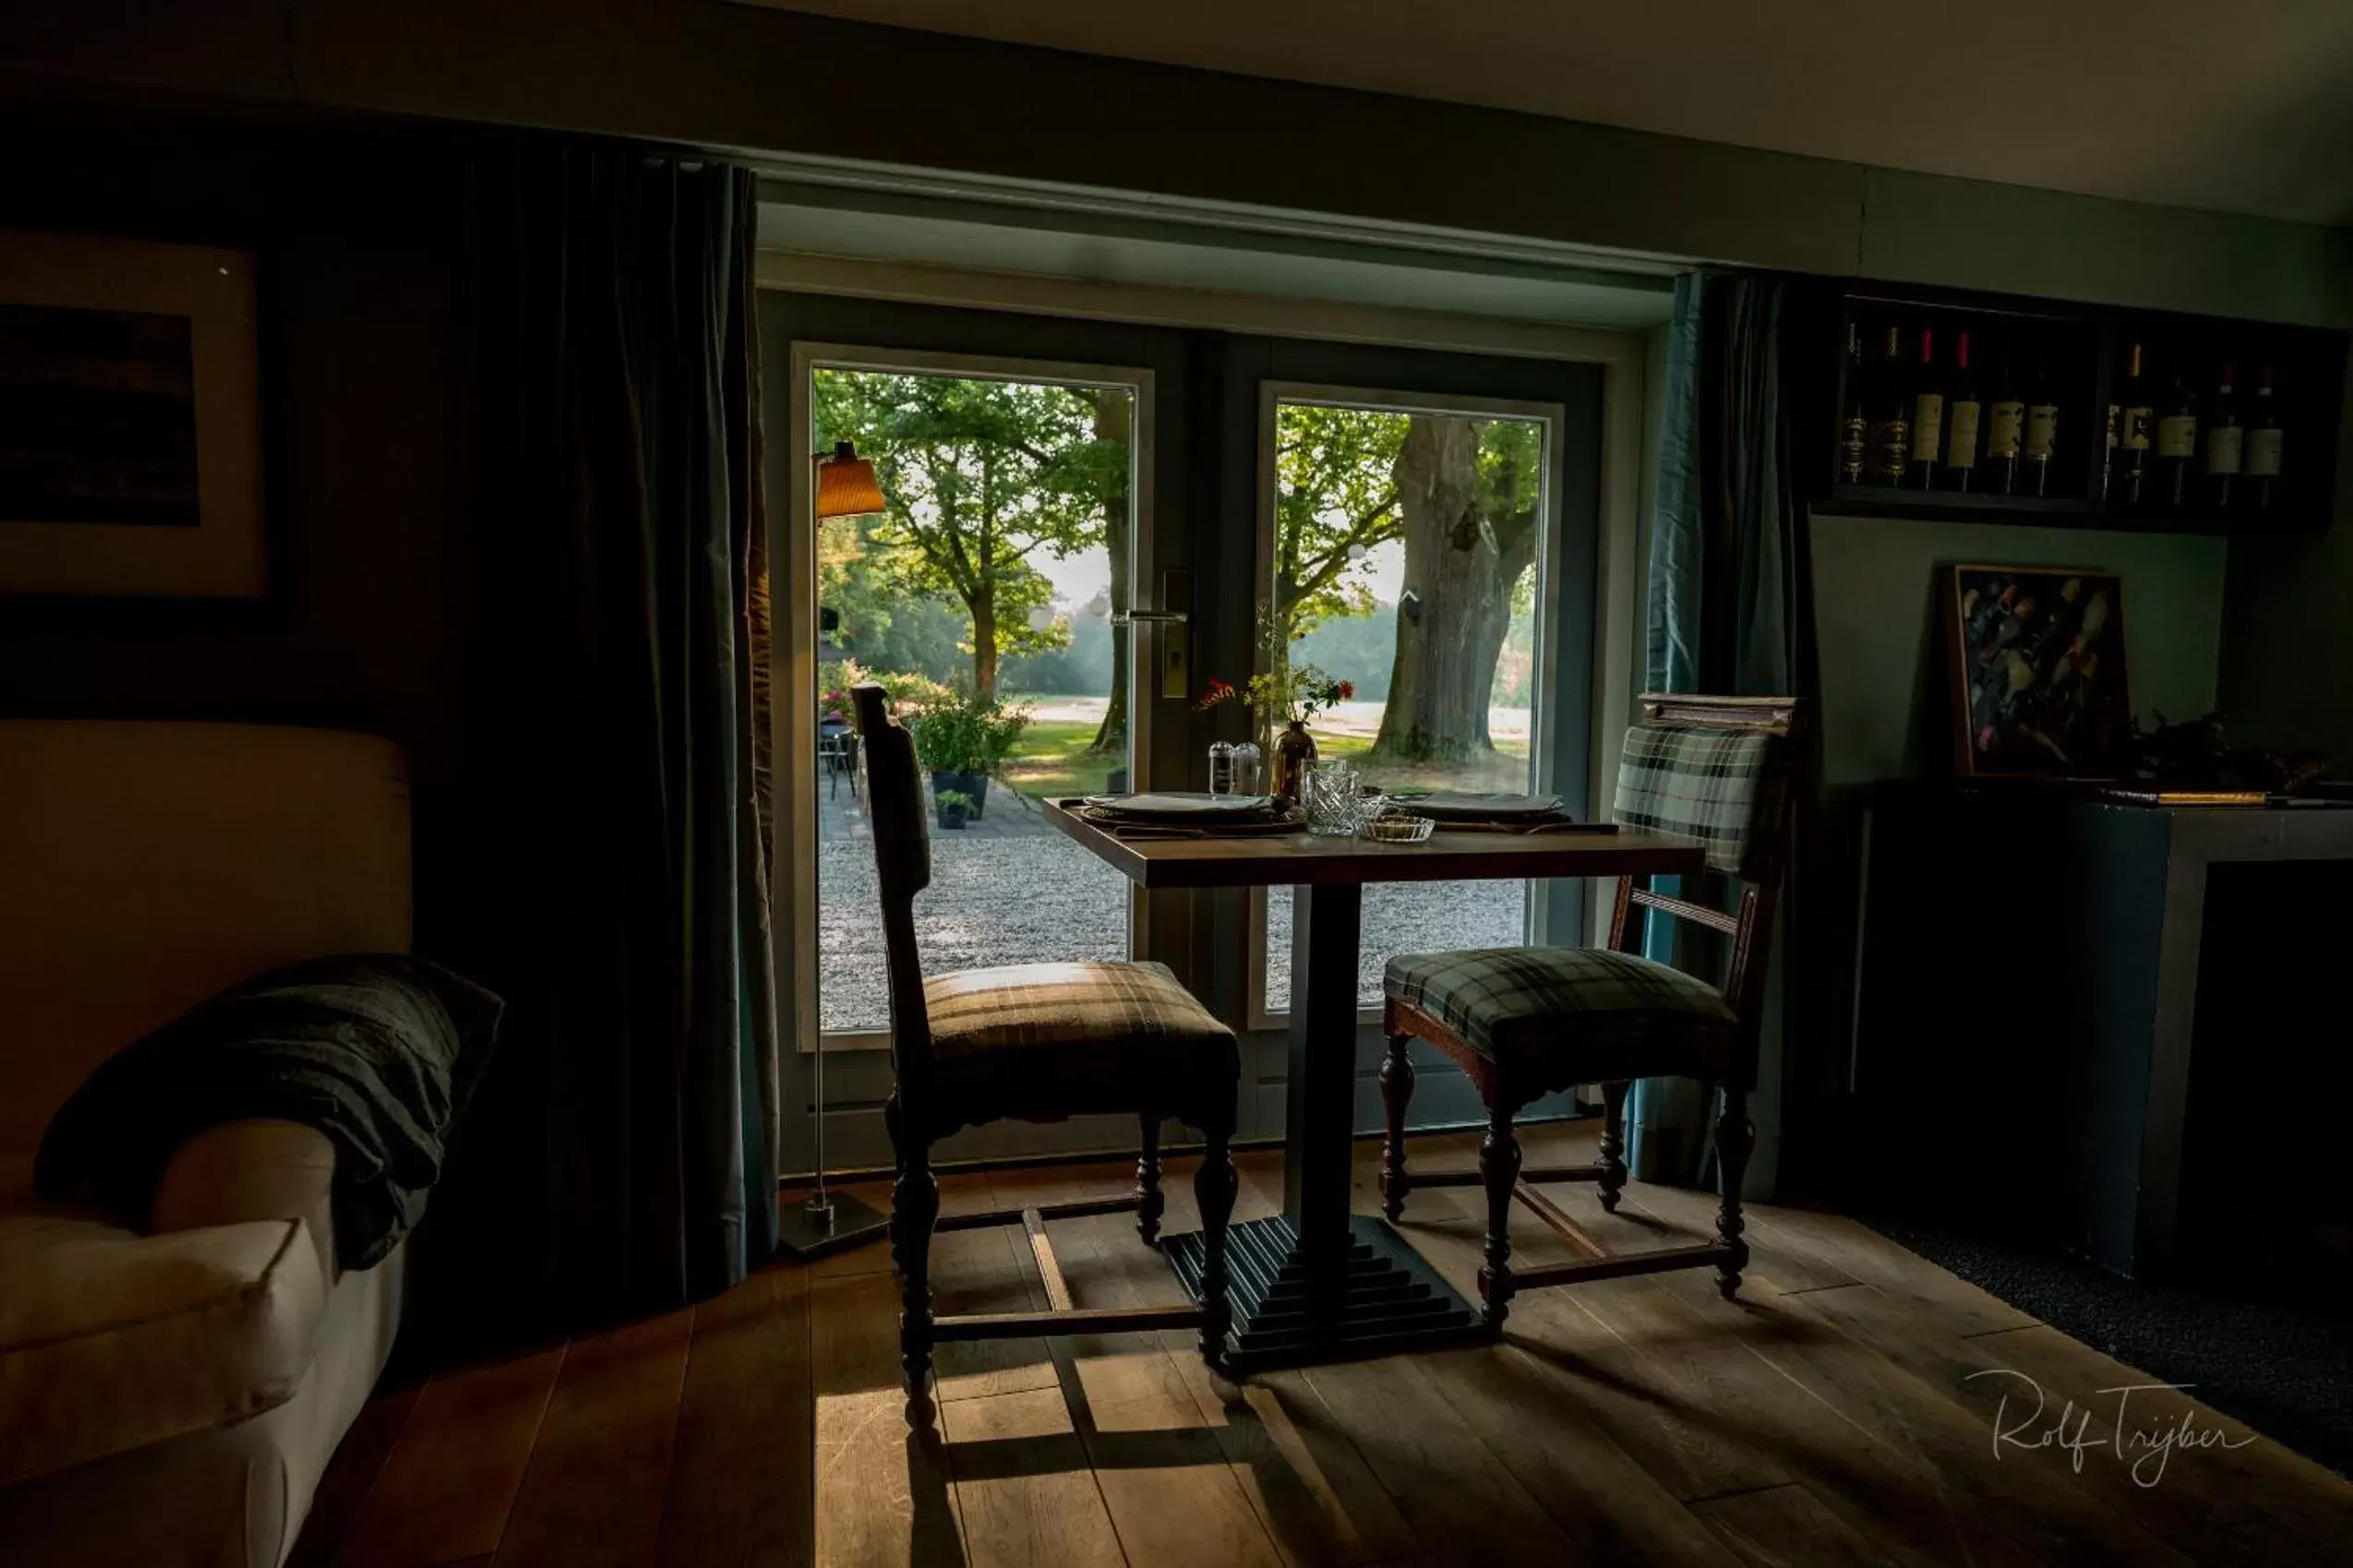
1716 769
902 869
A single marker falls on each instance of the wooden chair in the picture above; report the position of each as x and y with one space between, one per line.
1036 1042
1527 1022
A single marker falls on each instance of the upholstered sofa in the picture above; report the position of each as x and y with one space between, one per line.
169 1393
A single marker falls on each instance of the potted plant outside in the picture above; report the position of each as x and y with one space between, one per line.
962 741
956 808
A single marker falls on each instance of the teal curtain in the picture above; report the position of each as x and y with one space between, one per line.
1729 607
617 390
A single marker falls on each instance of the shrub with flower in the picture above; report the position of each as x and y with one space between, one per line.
910 692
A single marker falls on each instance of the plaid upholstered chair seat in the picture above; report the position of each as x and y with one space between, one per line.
1520 1006
1086 1036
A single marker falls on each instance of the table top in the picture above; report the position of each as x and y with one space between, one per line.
1288 859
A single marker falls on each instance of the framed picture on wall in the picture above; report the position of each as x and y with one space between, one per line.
2039 686
130 444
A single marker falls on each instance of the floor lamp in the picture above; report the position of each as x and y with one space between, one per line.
845 487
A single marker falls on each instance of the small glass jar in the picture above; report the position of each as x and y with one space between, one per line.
1221 767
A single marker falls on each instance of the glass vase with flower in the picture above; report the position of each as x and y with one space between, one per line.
1287 695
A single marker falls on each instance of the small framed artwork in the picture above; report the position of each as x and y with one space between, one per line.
130 440
2039 686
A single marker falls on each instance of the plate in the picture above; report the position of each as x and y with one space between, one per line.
1469 805
1178 805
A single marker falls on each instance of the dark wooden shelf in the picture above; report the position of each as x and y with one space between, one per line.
2081 348
2043 511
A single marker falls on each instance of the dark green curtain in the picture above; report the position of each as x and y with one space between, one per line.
617 411
1730 612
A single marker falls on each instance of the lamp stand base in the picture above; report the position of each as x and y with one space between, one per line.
807 1230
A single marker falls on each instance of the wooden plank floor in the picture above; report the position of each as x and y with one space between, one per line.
1843 1413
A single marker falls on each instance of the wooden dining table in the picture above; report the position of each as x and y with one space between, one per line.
1319 1282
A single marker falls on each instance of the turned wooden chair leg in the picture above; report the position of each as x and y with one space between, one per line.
1214 1185
1150 1202
894 1124
1735 1139
1499 1171
1397 1092
915 1208
1612 1180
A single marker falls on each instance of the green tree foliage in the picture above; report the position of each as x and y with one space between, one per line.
1336 496
982 479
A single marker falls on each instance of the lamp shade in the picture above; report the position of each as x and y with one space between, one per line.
846 484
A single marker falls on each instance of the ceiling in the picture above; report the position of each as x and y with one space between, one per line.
2242 108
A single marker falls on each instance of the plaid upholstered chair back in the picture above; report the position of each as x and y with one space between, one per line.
1715 769
902 861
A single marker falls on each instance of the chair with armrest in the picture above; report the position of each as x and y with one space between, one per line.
170 1392
1036 1042
1527 1022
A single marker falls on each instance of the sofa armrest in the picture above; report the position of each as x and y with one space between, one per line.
242 1171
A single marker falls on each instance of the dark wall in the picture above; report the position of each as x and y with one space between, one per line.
376 617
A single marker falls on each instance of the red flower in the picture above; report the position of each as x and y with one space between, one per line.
1219 691
1347 691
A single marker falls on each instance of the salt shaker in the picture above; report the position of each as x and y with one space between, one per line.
1245 768
1221 767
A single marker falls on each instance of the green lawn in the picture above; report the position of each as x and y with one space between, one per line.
1506 770
1051 762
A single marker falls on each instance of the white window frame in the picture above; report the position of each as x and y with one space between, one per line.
796 708
1553 417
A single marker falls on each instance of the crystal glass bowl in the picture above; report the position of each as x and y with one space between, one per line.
1396 827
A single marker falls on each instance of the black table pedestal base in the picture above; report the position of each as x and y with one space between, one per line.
1376 1297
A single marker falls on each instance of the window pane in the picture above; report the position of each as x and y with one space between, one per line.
1407 564
982 598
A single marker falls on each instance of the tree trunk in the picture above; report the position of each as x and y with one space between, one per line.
1113 423
1455 608
984 640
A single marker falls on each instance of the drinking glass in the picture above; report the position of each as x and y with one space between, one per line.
1329 793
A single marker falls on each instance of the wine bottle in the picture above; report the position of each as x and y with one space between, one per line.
2042 427
1927 415
2005 426
2129 471
2259 474
2225 441
2108 447
2177 445
1890 440
1854 428
1961 414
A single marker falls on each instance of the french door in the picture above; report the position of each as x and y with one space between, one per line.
1406 546
1424 526
1017 464
1174 436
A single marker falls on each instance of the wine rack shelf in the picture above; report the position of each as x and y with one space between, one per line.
2064 372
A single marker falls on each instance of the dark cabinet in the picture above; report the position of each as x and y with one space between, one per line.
2109 1029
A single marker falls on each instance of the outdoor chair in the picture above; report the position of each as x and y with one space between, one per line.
1035 1042
836 751
1526 1021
